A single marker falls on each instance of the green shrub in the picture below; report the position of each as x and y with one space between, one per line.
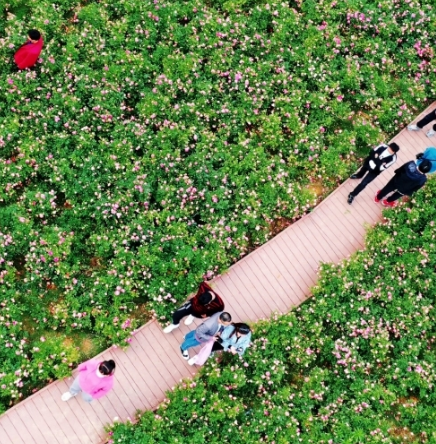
157 143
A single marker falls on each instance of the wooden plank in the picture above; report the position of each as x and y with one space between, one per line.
74 411
332 233
271 285
166 353
253 294
59 419
294 275
256 287
124 361
154 392
315 242
309 263
286 252
10 433
334 219
50 421
162 375
37 424
242 312
23 435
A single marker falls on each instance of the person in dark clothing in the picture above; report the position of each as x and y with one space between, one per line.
379 159
424 121
408 179
203 305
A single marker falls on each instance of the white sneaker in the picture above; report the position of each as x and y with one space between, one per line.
67 396
170 328
431 133
189 320
413 128
185 353
193 360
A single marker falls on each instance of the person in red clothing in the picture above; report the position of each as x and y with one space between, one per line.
27 55
204 304
95 380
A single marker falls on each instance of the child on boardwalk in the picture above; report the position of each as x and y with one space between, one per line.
95 380
28 53
206 331
235 338
408 179
379 159
204 304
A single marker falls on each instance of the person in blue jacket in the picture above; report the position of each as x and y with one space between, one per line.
235 338
428 154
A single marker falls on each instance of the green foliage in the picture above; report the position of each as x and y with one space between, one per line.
156 143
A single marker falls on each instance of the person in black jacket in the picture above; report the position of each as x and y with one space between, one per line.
379 159
408 179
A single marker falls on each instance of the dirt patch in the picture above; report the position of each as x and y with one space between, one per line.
141 314
317 189
278 225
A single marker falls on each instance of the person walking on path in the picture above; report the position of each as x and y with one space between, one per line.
95 380
235 338
424 121
429 154
408 179
204 304
379 159
28 53
209 329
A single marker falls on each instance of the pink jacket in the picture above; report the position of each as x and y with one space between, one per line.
89 381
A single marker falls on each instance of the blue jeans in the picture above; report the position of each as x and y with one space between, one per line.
190 341
75 389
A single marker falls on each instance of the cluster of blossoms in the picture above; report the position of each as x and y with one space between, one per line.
157 143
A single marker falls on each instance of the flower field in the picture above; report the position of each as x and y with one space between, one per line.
354 364
156 143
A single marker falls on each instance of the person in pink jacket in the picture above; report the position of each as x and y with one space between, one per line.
28 53
95 380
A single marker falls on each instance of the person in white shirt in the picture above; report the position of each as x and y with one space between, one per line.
379 159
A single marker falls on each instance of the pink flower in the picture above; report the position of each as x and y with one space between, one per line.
339 98
323 26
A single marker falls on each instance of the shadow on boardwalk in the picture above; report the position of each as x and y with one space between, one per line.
275 277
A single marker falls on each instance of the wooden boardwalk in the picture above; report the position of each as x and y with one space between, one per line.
275 277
